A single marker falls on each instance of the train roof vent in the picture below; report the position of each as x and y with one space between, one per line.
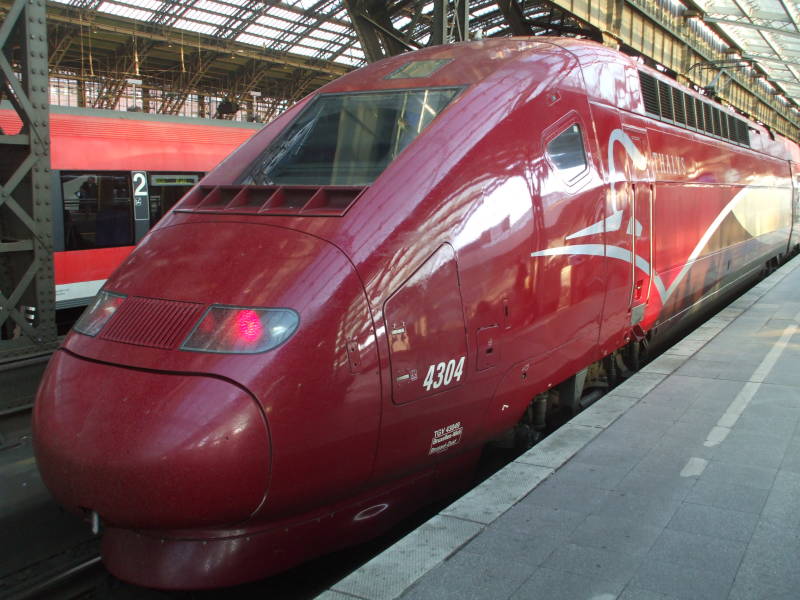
274 200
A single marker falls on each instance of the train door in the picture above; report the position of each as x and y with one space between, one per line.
640 220
794 239
627 226
165 189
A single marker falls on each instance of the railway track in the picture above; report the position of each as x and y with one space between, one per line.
66 575
19 380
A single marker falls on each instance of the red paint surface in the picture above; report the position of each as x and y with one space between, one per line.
88 265
114 142
476 182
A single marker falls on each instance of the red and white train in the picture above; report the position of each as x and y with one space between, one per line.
114 175
338 317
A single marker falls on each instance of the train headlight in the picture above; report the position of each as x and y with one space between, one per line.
98 313
239 330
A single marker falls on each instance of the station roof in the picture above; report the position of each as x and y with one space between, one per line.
317 29
768 33
318 37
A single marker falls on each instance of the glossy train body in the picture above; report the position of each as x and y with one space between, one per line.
432 242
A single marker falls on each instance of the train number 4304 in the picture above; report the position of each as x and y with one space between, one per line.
443 373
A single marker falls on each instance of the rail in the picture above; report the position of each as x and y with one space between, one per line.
19 380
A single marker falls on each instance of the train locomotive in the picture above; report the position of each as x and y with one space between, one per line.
424 255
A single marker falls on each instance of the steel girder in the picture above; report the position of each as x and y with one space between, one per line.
373 26
27 295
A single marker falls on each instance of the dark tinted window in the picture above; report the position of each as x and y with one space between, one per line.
165 189
567 153
97 210
347 139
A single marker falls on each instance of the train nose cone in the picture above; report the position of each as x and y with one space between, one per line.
150 450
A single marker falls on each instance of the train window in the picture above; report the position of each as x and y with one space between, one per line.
347 139
567 153
97 210
166 189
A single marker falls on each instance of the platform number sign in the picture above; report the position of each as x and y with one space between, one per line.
141 196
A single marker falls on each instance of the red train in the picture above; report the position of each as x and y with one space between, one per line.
114 175
338 317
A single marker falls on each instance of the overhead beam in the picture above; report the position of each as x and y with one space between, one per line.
157 33
748 25
515 17
126 67
174 105
373 26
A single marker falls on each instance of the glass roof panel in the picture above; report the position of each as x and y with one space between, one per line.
195 26
202 16
125 11
220 7
767 31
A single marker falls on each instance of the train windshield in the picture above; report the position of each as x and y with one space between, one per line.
347 139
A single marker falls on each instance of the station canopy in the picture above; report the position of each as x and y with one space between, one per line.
768 33
317 29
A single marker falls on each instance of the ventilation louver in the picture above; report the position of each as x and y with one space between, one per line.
667 102
308 201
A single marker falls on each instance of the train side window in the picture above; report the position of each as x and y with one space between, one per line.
567 153
97 210
166 189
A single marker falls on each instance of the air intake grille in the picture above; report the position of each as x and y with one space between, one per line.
649 93
272 200
668 102
152 322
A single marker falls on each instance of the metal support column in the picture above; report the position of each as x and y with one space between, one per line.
27 295
446 29
439 25
461 15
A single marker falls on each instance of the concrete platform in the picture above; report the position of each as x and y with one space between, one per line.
683 483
